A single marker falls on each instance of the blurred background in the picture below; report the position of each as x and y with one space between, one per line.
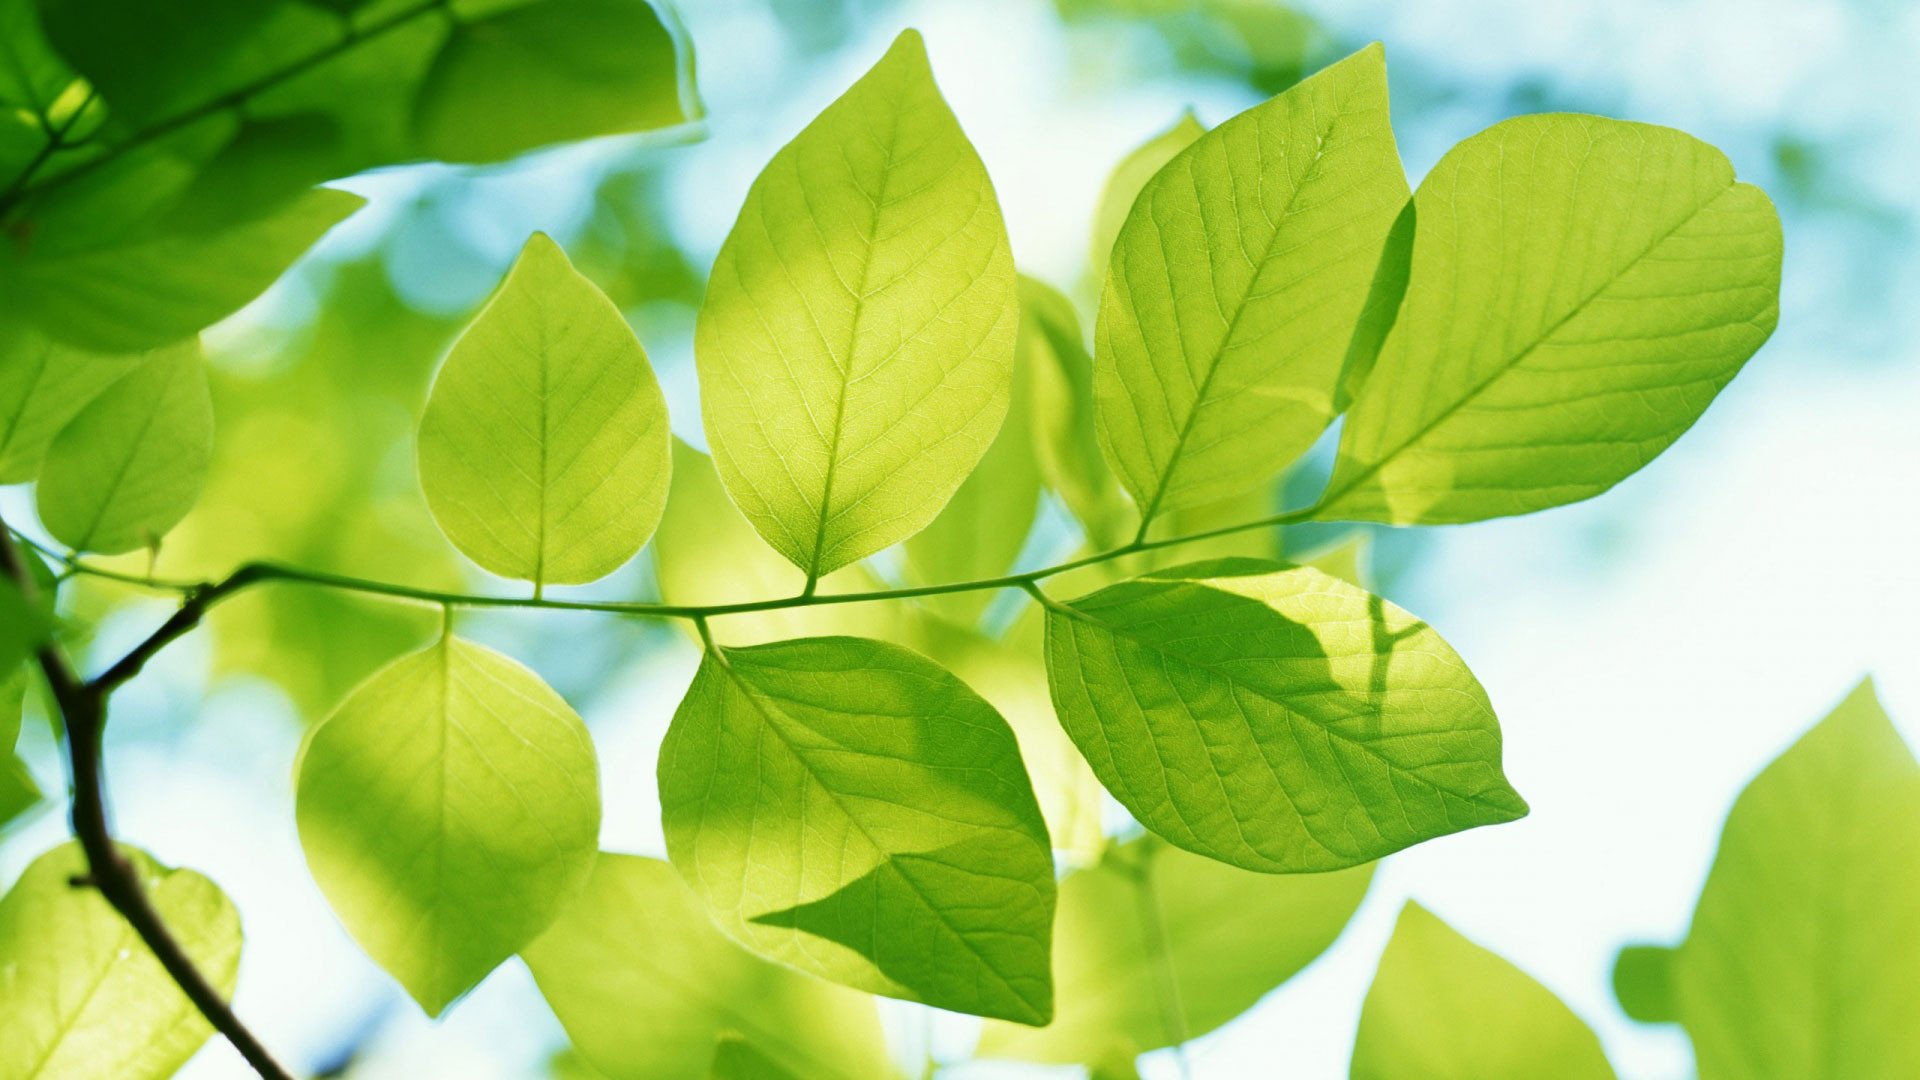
1647 652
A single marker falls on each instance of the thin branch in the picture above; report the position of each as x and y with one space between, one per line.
83 710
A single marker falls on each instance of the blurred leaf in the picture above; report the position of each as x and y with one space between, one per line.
83 996
1443 1008
146 291
1580 289
1212 373
1275 718
1154 937
1053 353
544 450
548 72
1803 949
1643 981
24 627
131 464
1265 42
18 790
449 810
850 808
706 553
857 337
647 988
42 387
738 1060
1124 184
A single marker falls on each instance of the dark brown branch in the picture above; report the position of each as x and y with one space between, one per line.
83 709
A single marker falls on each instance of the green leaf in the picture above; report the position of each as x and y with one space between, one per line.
154 289
984 527
1128 178
1235 286
449 809
1150 916
24 627
1580 289
548 72
1066 446
1801 958
1273 717
544 450
856 344
83 998
738 1060
707 554
131 464
42 387
850 808
647 987
1443 1008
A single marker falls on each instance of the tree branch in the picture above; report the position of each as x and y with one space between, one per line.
83 709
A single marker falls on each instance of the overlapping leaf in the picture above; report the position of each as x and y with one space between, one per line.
42 387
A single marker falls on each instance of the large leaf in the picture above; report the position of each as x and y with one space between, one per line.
131 464
82 998
1274 717
706 554
1580 289
1155 938
449 809
1443 1008
544 450
42 387
856 344
1801 958
850 808
145 291
647 988
1235 286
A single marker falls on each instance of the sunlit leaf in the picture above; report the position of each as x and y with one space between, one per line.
1066 446
131 464
42 387
1273 717
647 987
449 809
1154 938
856 345
1580 289
1235 285
1443 1008
1126 181
850 808
82 997
1801 958
544 450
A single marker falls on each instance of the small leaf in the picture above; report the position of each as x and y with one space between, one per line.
544 450
1150 913
449 809
545 73
856 344
1124 184
149 290
42 387
132 463
1443 1008
707 554
1235 286
647 988
850 808
1580 289
82 996
1801 958
1643 981
1273 717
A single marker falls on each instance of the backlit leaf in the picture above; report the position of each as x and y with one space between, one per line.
1580 289
1128 178
82 997
1235 286
42 387
449 809
544 450
850 808
1150 914
1066 444
1274 717
1801 958
647 988
1443 1008
131 464
856 344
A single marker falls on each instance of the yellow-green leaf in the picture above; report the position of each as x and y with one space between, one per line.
1128 178
42 387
